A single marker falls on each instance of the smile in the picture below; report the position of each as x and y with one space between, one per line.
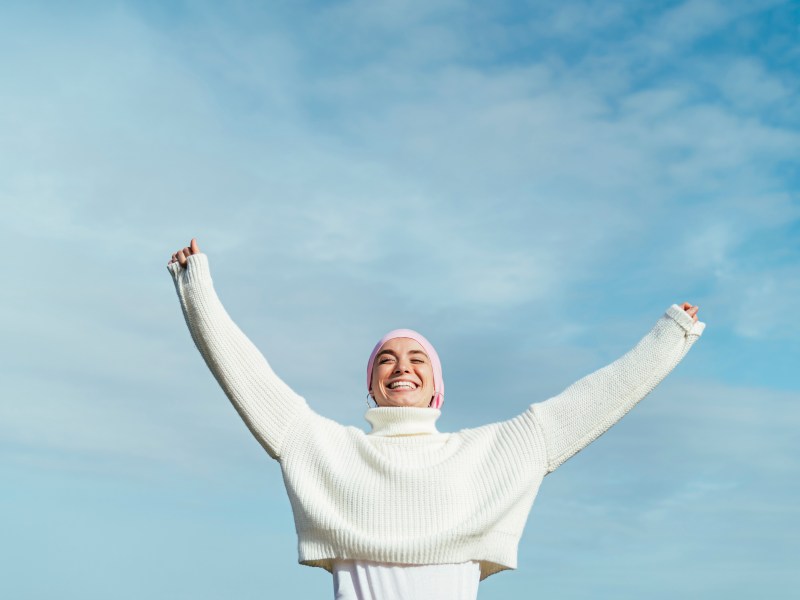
402 385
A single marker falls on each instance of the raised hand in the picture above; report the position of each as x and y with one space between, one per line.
690 310
181 255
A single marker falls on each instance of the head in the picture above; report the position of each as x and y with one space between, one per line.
404 370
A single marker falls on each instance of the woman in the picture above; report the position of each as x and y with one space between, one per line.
406 511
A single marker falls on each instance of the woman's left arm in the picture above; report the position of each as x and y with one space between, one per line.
587 408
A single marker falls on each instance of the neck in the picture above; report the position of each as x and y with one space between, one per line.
391 421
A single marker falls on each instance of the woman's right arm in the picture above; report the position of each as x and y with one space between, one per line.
266 404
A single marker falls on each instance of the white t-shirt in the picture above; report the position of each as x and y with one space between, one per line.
367 580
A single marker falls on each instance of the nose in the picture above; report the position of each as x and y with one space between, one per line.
402 366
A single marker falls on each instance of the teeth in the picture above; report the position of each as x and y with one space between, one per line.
402 384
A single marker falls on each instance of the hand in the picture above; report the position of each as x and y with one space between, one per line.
690 310
181 255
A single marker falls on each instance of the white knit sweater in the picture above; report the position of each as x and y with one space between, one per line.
393 496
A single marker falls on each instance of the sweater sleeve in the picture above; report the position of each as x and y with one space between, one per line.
587 408
266 404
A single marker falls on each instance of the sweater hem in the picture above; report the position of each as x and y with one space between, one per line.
495 551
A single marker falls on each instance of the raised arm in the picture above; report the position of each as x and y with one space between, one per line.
587 408
267 405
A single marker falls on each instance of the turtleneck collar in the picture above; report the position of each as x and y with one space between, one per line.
400 420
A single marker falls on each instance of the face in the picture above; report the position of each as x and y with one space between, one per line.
402 374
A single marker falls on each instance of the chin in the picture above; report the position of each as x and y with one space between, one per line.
405 403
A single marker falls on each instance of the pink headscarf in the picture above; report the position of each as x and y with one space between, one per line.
438 382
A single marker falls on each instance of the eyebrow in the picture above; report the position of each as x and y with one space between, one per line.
393 353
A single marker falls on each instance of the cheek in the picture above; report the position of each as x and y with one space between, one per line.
429 378
380 373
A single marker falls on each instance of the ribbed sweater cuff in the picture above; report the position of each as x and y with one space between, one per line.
196 272
682 318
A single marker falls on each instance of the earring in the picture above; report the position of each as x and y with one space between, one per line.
367 400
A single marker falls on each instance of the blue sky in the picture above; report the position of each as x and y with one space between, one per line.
528 184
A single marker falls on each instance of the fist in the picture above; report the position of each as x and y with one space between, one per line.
690 310
181 255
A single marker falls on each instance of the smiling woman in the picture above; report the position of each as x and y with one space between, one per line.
404 370
406 511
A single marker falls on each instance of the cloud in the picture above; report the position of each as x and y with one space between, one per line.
765 303
750 86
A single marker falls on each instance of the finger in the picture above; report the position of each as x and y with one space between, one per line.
692 312
181 258
194 247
